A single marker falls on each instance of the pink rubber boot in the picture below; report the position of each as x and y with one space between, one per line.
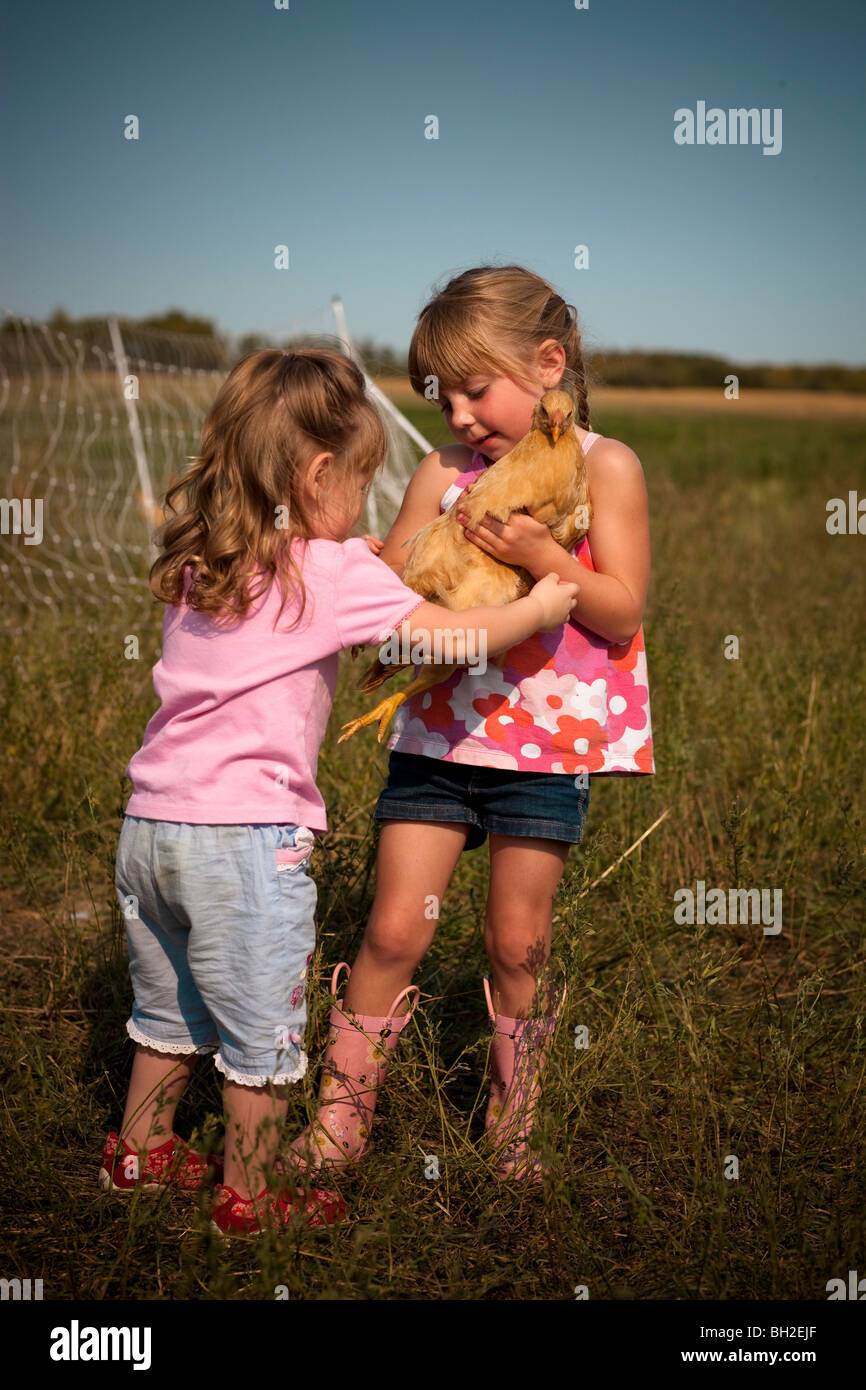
517 1054
357 1057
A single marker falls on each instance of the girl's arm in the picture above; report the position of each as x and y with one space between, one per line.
611 599
429 482
492 629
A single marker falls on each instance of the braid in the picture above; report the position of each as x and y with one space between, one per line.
559 320
582 397
574 359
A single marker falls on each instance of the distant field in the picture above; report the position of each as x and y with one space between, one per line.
787 404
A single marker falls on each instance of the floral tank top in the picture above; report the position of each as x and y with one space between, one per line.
563 701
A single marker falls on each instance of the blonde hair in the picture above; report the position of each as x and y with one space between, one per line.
488 320
275 411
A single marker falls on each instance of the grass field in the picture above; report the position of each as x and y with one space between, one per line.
705 1041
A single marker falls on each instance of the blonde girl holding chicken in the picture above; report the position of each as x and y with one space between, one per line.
507 755
263 587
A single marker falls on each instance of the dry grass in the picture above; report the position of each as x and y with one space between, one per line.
705 1041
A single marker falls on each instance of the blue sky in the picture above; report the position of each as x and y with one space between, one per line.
305 126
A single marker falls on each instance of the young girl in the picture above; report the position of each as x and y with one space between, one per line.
508 754
263 590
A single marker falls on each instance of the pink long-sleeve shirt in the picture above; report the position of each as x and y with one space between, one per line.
243 709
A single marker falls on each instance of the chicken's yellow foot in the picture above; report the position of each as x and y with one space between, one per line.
386 709
384 712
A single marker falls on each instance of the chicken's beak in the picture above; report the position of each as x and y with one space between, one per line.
555 431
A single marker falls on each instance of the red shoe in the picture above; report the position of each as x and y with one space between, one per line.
232 1215
173 1164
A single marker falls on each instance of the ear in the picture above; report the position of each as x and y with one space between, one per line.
551 360
319 472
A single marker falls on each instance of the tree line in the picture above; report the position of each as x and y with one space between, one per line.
633 367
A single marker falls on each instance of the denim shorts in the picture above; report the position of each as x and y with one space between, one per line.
220 924
490 800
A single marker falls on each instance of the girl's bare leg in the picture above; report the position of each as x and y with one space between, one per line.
157 1083
415 863
253 1117
524 877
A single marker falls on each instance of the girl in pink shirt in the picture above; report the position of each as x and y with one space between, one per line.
508 753
262 590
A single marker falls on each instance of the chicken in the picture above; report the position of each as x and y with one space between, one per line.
545 471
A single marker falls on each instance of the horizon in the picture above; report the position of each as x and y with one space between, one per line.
597 350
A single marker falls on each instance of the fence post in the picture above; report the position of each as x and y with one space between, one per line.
135 431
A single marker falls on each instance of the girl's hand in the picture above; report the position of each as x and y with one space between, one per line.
521 540
374 543
556 599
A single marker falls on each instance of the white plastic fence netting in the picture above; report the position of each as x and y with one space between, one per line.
79 458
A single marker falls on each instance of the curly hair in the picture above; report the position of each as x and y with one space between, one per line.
237 508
